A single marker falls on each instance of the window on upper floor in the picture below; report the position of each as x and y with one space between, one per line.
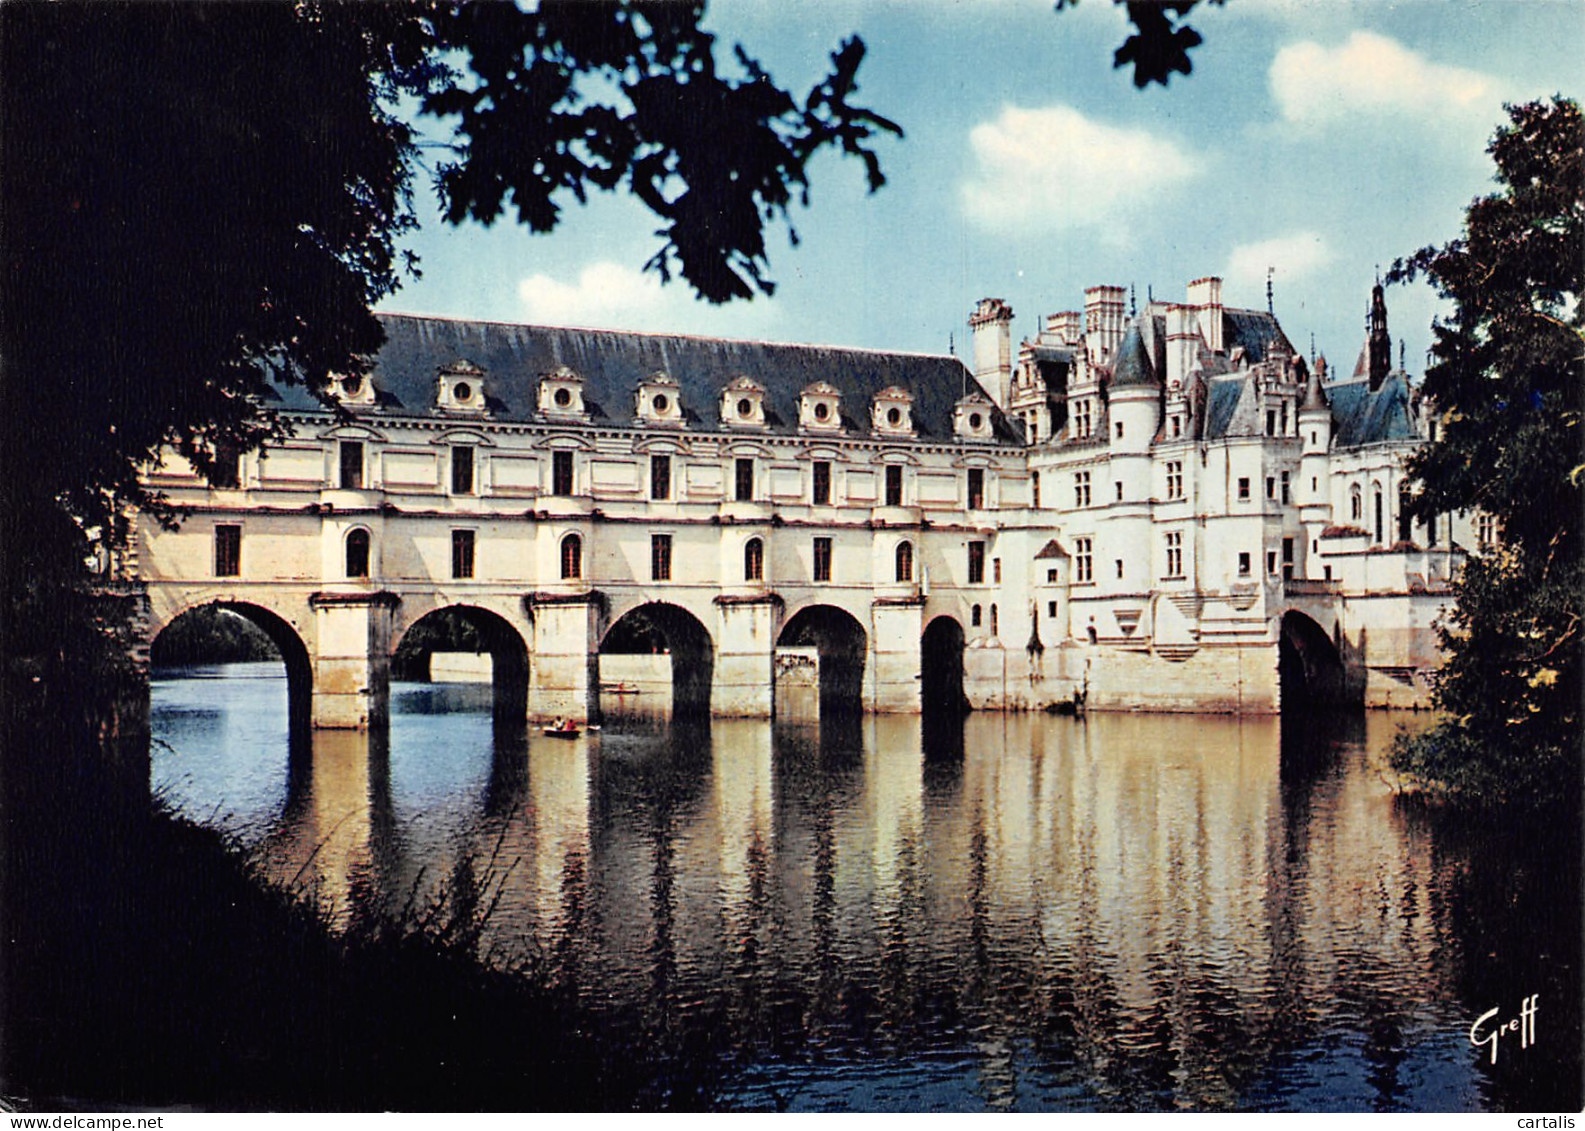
1083 560
660 477
357 554
462 471
1117 489
351 465
1051 609
976 563
996 571
1083 422
976 488
905 561
1243 564
1177 426
1356 505
754 560
744 485
1287 559
821 486
894 485
1287 488
462 554
1271 422
1081 488
1243 487
822 559
995 628
1175 479
1175 554
1271 486
228 550
571 557
561 473
1034 488
1485 531
1271 561
227 469
660 557
974 617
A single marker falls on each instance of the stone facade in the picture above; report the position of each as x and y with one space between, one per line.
1150 510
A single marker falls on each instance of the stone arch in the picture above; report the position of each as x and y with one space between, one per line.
659 628
509 653
941 668
841 644
288 642
1310 669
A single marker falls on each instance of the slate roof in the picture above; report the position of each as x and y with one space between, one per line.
1051 549
612 363
1141 356
1360 416
1255 330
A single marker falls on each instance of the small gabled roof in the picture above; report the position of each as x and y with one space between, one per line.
1052 549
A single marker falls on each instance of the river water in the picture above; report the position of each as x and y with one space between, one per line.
1028 912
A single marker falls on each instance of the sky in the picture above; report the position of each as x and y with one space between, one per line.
1319 139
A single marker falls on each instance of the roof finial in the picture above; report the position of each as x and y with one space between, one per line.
952 343
1133 307
1401 364
1312 349
1269 272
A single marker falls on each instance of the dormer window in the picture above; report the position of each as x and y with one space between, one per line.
561 394
820 408
972 417
461 387
352 389
891 413
657 401
743 403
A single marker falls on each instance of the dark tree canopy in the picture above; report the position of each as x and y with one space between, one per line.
1161 41
197 194
1507 383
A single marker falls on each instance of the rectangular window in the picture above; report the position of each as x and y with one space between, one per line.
1051 577
561 473
1082 426
462 553
976 488
1271 486
1287 488
822 559
1175 554
660 557
1083 560
660 477
228 551
1081 489
351 465
1287 559
1119 429
1271 422
996 570
1284 418
1177 427
822 483
1034 487
1051 608
976 563
1243 565
1118 489
1485 532
1034 430
745 481
894 485
1175 479
227 471
1119 563
1243 487
1271 561
462 471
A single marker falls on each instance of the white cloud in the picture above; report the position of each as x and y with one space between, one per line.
1292 256
612 296
1371 75
1053 169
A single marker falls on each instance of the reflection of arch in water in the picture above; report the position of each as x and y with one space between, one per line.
941 668
1309 667
841 643
493 633
290 646
658 628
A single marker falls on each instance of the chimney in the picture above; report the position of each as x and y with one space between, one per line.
1182 344
1103 323
1066 327
991 324
1206 294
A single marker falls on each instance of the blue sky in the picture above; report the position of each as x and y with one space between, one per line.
1316 137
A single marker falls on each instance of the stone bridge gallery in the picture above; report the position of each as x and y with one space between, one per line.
1161 509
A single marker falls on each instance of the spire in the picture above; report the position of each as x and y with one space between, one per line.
1380 343
1270 308
1313 399
1312 349
1133 307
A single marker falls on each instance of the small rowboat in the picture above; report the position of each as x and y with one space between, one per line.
552 732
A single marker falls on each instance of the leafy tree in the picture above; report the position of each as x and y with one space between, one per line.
199 194
1161 41
1508 384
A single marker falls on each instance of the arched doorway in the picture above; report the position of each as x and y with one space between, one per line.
469 629
229 632
941 670
645 637
840 643
1309 668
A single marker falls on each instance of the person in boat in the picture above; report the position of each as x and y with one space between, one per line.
559 724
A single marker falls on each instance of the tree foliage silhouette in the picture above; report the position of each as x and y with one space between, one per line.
1507 383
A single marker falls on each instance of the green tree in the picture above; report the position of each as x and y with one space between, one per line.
1507 383
1159 45
199 195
